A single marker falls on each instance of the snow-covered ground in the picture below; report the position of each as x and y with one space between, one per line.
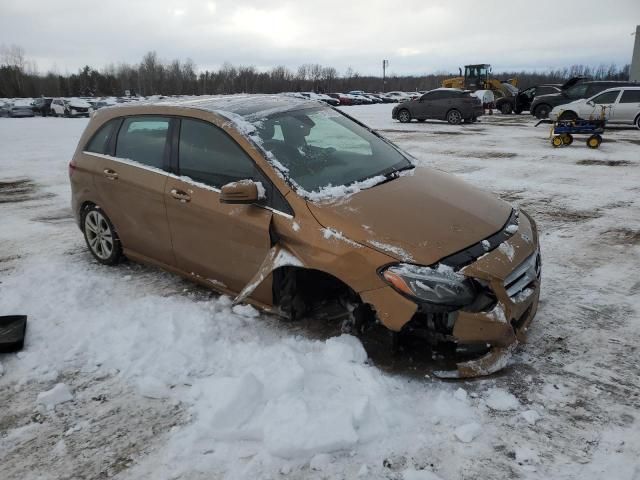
133 373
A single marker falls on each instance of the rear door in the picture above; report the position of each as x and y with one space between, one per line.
130 183
628 106
222 243
444 102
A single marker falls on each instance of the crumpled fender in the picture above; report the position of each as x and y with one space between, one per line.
278 256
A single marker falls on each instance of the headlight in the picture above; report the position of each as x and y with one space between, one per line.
440 285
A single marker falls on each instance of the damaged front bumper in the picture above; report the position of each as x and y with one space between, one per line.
493 326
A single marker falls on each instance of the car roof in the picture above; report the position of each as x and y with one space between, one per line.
619 87
249 107
446 89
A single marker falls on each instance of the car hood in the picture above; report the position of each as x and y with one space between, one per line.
574 103
420 217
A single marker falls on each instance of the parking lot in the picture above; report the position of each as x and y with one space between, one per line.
169 380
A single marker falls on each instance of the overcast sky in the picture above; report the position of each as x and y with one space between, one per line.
417 36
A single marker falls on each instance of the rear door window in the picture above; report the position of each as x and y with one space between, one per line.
143 140
630 96
100 139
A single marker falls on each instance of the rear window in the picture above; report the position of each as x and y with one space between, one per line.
143 139
100 139
630 96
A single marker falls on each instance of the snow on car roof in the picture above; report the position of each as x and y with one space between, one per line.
250 107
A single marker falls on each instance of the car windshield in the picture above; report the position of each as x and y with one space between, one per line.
320 148
577 91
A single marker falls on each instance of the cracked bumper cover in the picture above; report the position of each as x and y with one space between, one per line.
502 327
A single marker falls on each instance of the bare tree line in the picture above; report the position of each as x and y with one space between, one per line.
153 76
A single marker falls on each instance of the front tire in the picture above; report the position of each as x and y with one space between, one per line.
638 122
101 236
568 115
454 117
404 116
542 111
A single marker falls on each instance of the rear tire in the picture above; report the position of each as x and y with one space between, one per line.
404 116
638 122
100 236
567 139
454 117
542 111
506 108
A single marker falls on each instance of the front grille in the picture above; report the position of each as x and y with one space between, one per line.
523 276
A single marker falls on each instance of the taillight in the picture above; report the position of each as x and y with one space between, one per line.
72 168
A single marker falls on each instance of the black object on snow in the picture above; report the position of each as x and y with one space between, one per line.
12 331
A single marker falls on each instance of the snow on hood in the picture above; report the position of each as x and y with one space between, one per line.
418 218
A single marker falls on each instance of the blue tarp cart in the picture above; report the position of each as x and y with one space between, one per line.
562 131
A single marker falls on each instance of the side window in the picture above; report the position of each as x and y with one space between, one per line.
208 155
440 95
98 143
606 98
143 139
545 90
425 97
630 96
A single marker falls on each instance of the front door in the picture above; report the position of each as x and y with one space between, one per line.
601 106
421 107
224 244
131 186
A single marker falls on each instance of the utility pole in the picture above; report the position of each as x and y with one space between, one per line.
634 73
385 64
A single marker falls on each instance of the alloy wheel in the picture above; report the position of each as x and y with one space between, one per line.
99 235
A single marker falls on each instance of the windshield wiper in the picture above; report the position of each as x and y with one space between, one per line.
389 173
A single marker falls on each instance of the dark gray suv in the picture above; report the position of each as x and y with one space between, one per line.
450 104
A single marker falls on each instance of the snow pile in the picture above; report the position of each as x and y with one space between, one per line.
250 389
57 395
411 474
501 400
468 432
531 416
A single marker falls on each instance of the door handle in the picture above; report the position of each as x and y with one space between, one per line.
180 195
110 174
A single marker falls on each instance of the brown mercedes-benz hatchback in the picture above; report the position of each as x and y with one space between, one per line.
298 209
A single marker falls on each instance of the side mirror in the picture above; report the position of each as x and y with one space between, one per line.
241 192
